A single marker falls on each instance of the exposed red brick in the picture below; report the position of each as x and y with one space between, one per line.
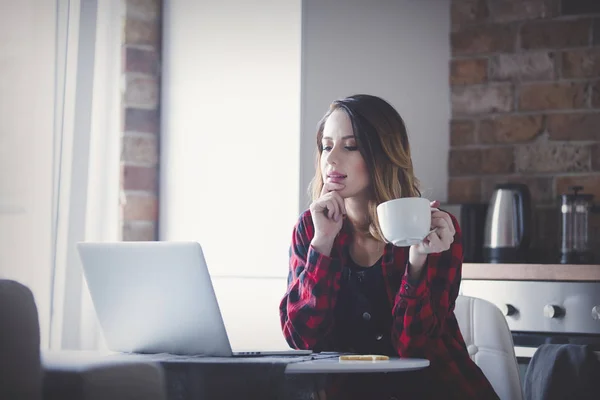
484 39
148 10
139 32
510 129
140 178
574 126
140 120
142 91
582 63
141 47
521 10
482 99
464 190
140 149
142 61
464 162
555 34
552 96
546 157
468 71
136 231
497 160
529 66
462 132
468 11
140 208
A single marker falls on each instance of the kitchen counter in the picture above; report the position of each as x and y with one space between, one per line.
531 272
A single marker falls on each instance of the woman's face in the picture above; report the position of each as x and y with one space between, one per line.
341 161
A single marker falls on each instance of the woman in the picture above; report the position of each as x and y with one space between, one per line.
349 290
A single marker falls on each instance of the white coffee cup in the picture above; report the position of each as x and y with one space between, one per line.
405 221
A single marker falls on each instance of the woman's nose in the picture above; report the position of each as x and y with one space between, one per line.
332 157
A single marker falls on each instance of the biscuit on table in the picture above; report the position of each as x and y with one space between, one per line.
364 357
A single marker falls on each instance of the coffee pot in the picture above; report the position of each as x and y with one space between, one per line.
507 233
575 211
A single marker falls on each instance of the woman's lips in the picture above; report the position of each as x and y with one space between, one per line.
336 178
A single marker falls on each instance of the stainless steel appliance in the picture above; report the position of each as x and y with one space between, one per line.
508 224
471 219
575 209
539 312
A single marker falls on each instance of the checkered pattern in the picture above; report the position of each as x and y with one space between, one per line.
423 326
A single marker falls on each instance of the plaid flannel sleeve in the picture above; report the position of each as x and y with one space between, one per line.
421 308
306 310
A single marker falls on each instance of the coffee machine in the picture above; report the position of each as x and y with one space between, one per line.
574 241
507 234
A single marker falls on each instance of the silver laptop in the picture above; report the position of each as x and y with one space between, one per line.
157 297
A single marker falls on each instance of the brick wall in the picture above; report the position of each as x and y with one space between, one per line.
140 116
525 92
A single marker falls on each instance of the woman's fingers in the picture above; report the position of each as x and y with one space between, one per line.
438 213
331 187
444 231
333 209
438 221
326 205
435 243
448 220
446 238
339 199
331 202
443 220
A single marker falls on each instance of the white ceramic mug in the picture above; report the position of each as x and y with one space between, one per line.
405 221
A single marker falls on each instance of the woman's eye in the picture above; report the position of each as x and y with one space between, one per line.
349 148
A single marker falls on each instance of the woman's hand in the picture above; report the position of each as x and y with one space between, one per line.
443 235
327 213
436 242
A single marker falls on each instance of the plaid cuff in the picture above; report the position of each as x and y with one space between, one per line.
412 288
316 261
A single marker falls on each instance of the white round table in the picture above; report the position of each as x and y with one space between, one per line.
336 366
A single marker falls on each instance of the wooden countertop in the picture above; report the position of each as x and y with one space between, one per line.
531 272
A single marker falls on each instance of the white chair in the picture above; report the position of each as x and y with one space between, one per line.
490 345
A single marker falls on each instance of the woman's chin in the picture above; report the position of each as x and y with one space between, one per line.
354 195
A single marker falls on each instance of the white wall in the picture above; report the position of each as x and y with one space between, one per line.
395 49
27 68
256 326
230 131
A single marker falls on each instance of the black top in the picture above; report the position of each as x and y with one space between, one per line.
363 312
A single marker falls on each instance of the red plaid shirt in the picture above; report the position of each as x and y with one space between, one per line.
424 324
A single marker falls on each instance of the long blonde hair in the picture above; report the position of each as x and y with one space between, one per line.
383 143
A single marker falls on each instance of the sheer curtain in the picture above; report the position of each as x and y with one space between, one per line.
27 85
86 172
